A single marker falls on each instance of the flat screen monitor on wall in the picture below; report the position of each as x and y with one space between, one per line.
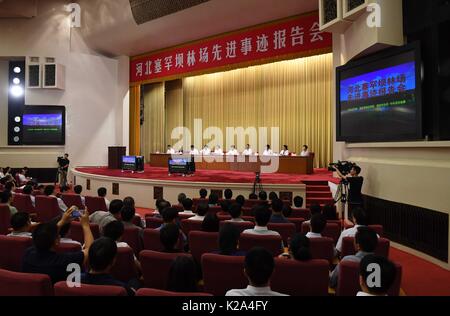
379 98
44 125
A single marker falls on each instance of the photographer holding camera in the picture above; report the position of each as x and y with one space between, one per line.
63 168
355 183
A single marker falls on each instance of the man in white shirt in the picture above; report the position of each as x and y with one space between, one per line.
218 150
248 151
235 212
258 267
305 151
205 151
285 151
27 190
360 220
388 274
268 151
101 192
170 150
232 151
318 224
77 190
262 218
187 207
102 218
50 191
21 225
194 151
23 179
202 210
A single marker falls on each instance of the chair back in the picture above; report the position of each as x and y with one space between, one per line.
24 284
12 250
72 200
188 225
61 289
23 203
5 219
240 225
47 208
322 248
76 231
153 242
155 292
153 222
95 203
132 236
271 243
348 247
124 269
201 243
286 230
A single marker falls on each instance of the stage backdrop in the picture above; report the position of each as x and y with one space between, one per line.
294 95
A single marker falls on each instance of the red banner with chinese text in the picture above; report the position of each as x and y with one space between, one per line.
298 36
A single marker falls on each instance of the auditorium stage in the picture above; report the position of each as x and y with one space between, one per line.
155 182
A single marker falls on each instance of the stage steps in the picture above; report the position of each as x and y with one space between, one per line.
318 192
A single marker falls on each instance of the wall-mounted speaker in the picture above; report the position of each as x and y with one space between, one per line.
34 76
54 76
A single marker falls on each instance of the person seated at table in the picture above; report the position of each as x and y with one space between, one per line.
194 151
233 151
218 150
21 225
248 151
205 151
229 241
285 151
170 150
202 210
277 212
305 152
267 151
318 224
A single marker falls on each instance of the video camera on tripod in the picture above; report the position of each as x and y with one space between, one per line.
344 168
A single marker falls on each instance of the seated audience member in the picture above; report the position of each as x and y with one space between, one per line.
41 189
253 196
114 230
240 199
272 196
101 192
182 275
102 218
229 241
27 190
258 267
287 211
213 200
203 193
129 202
329 212
366 241
211 223
277 212
63 231
169 236
298 202
7 198
21 225
2 175
187 207
314 209
228 194
10 185
318 224
50 191
169 216
305 151
236 213
160 207
202 210
299 249
180 198
127 214
42 258
102 256
388 273
225 207
77 190
285 151
262 217
359 219
262 196
22 175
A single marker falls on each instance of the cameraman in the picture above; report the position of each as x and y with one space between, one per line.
355 182
63 169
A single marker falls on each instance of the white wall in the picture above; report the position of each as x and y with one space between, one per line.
96 88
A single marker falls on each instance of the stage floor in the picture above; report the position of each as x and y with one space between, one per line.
216 176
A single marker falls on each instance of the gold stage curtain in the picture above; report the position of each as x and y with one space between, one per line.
294 95
154 119
134 137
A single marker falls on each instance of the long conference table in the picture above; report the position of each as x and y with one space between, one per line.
286 164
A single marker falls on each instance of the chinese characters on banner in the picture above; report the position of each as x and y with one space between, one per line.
377 88
297 36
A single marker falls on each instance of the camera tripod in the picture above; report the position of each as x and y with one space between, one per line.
341 193
257 185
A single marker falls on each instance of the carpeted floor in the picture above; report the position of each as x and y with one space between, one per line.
155 173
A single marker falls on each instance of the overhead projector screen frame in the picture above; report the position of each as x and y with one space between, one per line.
388 136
